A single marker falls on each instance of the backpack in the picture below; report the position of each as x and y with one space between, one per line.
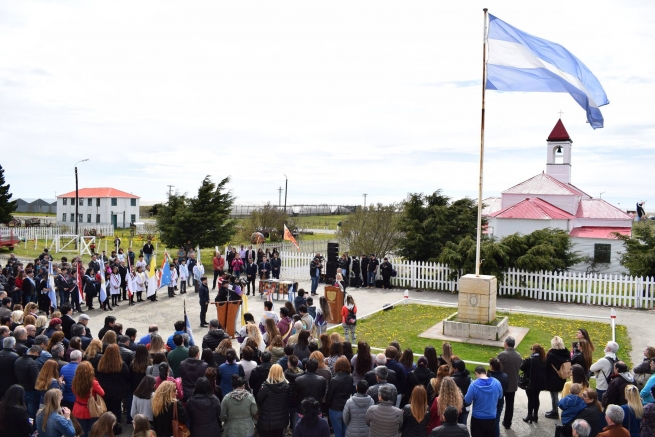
609 375
564 370
351 318
394 273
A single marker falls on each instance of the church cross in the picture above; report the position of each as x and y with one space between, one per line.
560 114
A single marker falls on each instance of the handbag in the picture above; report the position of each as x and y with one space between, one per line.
179 429
641 379
524 381
96 405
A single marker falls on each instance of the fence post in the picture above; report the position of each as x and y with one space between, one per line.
412 268
639 290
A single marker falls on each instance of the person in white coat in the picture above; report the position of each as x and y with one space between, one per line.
184 276
115 286
140 280
198 273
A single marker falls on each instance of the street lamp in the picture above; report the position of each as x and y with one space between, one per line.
77 200
286 186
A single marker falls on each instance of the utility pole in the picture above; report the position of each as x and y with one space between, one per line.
170 190
77 202
286 187
364 195
279 197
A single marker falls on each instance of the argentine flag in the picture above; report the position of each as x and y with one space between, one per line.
51 286
518 61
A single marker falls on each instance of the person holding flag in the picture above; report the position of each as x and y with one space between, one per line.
140 280
130 284
77 296
115 286
62 286
47 286
101 278
173 280
152 281
89 287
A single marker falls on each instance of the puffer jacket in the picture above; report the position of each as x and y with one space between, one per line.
191 369
554 359
273 403
384 419
571 406
258 376
419 376
615 393
354 415
26 370
212 339
205 414
237 412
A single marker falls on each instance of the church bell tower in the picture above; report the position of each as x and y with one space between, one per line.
558 149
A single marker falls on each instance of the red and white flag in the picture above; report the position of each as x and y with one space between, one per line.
289 237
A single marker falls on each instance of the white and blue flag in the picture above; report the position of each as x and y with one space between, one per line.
518 61
51 286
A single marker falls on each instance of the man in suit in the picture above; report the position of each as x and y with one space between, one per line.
66 320
203 295
94 264
251 275
250 253
63 286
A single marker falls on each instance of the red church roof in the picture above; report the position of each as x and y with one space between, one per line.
533 208
598 232
559 132
543 184
599 209
100 192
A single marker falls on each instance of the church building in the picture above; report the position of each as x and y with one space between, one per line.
550 200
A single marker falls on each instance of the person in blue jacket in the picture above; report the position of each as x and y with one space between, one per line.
483 395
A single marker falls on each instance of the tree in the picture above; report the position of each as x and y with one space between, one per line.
7 206
204 220
430 221
372 229
639 255
269 220
543 250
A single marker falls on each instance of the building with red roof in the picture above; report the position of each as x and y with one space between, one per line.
550 200
98 206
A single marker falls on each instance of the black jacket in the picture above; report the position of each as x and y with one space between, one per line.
419 376
463 380
355 267
339 390
535 369
126 354
163 423
114 384
67 323
291 377
371 380
16 422
26 370
309 384
273 404
205 414
203 294
251 270
412 428
554 359
364 264
258 376
103 331
591 414
21 347
7 359
191 369
212 339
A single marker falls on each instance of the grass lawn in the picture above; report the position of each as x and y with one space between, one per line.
319 221
405 322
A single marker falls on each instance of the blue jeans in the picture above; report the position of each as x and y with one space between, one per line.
336 419
63 297
463 417
370 278
314 284
146 258
32 401
499 410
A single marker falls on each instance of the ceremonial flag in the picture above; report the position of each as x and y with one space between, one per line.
152 278
289 237
51 285
165 278
129 280
519 61
187 326
103 285
80 288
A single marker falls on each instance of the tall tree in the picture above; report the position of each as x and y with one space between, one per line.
639 255
204 219
269 220
372 229
7 206
430 221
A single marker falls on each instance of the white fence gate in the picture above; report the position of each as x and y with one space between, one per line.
52 232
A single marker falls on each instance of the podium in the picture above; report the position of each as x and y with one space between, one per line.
334 296
226 313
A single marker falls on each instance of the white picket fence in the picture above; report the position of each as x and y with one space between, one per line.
576 287
50 232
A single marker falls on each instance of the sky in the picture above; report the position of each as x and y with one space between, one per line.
342 97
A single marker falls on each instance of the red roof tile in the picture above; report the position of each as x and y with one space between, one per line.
599 209
533 208
100 192
543 184
559 132
598 232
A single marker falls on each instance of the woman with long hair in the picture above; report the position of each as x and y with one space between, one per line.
592 412
238 410
41 324
578 376
204 410
446 356
93 353
556 356
247 361
276 347
113 376
407 361
109 338
227 369
323 314
166 375
339 390
85 384
53 420
14 420
633 411
416 414
430 353
163 404
435 383
289 306
138 366
221 349
207 356
534 367
311 425
323 370
212 376
157 359
349 319
273 404
49 378
582 354
270 331
254 333
363 361
325 343
301 348
142 399
582 334
421 375
142 426
336 352
157 345
449 394
75 344
56 338
104 426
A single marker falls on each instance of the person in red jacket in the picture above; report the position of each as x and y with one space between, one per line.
219 265
349 319
85 384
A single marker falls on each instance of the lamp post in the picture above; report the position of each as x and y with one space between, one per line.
286 186
77 200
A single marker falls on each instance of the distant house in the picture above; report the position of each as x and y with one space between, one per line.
549 200
99 206
36 205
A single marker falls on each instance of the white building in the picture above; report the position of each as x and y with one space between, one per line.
98 206
549 200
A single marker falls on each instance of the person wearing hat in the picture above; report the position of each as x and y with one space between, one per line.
83 319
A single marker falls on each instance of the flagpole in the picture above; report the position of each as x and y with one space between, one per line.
484 89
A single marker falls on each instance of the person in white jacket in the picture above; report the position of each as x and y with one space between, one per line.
140 280
184 276
604 367
198 273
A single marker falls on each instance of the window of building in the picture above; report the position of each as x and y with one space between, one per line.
98 201
132 202
89 202
602 253
64 201
132 218
63 217
79 218
88 218
81 202
114 201
97 218
72 217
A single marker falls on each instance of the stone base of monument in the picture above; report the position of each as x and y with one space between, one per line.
484 335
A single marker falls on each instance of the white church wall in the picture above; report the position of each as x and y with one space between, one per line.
579 222
505 227
586 247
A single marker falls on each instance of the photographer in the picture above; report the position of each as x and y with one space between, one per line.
315 272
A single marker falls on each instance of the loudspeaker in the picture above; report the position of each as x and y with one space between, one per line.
330 270
333 252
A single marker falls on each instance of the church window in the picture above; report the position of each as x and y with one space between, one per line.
602 253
